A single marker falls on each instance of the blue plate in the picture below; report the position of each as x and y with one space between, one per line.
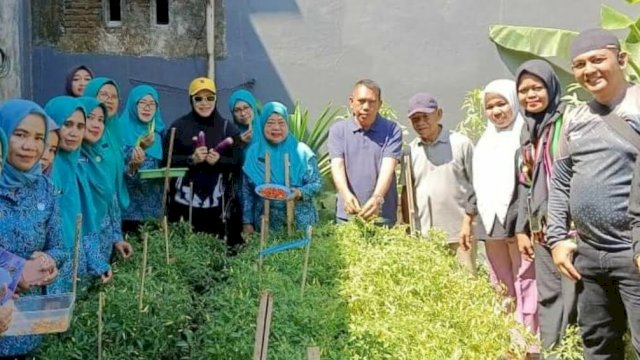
287 190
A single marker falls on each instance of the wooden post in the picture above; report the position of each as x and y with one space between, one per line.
305 267
267 179
165 230
287 179
408 177
191 204
143 272
313 353
76 253
100 310
263 326
165 191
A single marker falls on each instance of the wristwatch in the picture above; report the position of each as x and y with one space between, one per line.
379 198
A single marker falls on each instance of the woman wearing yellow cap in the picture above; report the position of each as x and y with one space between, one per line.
203 143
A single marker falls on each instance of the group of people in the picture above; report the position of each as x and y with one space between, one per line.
546 188
548 191
79 161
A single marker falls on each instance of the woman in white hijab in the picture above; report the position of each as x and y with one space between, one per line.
495 184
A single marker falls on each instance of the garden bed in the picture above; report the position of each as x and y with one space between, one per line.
370 293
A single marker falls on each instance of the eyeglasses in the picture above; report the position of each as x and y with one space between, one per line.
241 110
106 96
210 99
147 104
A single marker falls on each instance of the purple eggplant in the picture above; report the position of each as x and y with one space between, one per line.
223 145
199 141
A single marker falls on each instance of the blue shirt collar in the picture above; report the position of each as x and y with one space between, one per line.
354 127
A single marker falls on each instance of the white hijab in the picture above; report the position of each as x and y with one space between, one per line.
494 163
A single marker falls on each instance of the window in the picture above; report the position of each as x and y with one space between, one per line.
113 12
162 12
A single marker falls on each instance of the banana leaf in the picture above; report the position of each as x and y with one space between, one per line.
542 42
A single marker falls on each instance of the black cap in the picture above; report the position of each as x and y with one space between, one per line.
593 39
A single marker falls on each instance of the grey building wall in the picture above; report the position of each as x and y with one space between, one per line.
314 51
14 43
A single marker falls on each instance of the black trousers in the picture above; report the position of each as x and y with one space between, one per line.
557 306
608 301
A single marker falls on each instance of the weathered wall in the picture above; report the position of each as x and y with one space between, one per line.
78 26
71 32
315 50
11 45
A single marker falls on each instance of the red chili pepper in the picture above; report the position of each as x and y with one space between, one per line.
273 193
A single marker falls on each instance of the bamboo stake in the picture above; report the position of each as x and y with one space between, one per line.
165 191
287 179
313 353
261 346
267 179
100 310
408 175
76 253
191 204
165 230
143 272
305 267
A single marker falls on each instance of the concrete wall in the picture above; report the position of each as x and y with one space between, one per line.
14 43
314 51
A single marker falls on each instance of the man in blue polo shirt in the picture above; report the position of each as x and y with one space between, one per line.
365 150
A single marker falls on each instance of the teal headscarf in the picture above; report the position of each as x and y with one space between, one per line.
246 96
12 112
91 90
112 137
133 129
4 145
100 170
67 177
299 153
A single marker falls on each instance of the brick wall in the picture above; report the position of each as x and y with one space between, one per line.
79 26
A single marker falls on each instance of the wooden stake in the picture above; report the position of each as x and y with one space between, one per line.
263 238
143 272
165 230
287 179
76 253
267 180
313 353
100 310
408 176
165 191
305 267
191 204
263 326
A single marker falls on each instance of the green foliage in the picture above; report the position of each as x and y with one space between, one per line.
474 122
163 329
314 133
571 346
550 42
317 319
371 293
